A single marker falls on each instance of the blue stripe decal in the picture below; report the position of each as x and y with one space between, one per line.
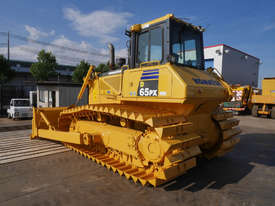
150 77
151 70
149 73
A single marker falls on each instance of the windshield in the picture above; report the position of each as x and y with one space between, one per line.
186 47
22 103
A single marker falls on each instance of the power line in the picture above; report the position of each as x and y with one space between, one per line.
60 57
26 39
7 44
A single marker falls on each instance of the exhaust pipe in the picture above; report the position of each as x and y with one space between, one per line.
112 56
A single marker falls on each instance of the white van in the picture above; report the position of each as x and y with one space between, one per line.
20 108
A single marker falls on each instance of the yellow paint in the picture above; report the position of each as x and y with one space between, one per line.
242 94
69 137
168 16
266 101
151 139
85 83
268 87
139 27
263 112
150 63
136 28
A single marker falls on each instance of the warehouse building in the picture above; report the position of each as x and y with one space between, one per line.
237 67
23 76
57 94
23 82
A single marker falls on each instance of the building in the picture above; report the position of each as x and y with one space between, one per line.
23 76
237 67
23 82
57 94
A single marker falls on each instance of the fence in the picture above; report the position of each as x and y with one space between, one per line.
9 92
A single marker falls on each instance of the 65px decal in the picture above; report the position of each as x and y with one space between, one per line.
148 92
148 85
148 88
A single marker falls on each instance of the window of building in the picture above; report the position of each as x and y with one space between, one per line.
42 96
208 63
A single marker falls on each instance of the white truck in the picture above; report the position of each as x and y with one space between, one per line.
20 108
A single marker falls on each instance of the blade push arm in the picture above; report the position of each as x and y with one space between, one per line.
85 83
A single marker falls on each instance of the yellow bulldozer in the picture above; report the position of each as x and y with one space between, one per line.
241 100
151 119
264 104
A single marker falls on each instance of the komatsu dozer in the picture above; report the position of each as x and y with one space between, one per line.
241 101
151 119
264 103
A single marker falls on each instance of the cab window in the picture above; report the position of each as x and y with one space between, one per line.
186 47
150 46
143 47
156 44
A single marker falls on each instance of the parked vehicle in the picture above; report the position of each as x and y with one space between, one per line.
241 101
264 104
19 108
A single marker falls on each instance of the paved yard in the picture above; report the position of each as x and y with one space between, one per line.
16 146
12 125
246 176
10 122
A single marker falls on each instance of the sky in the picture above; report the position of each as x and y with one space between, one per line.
247 25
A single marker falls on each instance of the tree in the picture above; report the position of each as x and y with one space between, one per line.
45 67
6 73
80 71
102 68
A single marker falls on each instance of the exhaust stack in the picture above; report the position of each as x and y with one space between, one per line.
112 56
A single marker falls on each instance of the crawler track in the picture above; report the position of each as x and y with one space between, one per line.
141 175
164 125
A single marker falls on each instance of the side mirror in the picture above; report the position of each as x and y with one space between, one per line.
173 58
210 69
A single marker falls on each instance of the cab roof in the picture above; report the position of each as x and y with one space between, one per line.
138 27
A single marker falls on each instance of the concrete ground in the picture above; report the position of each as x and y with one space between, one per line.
10 122
11 125
246 176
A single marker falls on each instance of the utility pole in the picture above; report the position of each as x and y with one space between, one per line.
7 44
1 86
8 47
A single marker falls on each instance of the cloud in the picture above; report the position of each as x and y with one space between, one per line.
101 24
67 52
35 34
269 27
122 53
80 51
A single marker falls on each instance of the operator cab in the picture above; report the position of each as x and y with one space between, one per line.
166 39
